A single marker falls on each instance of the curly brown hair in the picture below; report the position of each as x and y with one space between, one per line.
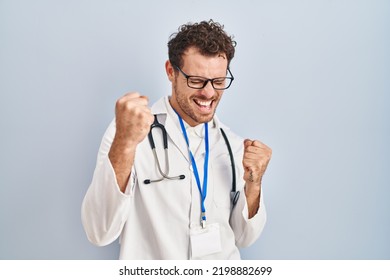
207 36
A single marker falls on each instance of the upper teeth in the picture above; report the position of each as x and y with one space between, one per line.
204 103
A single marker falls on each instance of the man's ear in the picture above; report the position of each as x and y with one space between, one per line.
170 71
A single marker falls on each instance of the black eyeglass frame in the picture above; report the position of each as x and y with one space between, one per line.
229 79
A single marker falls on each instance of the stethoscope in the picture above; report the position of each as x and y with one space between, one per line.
234 194
164 175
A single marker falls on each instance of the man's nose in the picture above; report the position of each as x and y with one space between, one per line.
208 91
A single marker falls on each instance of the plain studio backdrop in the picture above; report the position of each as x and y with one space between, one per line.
312 82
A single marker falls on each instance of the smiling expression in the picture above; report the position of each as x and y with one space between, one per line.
196 106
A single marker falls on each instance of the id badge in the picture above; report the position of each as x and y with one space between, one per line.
205 241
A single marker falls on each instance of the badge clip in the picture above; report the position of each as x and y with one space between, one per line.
203 220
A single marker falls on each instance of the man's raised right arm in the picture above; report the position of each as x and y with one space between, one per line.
105 206
133 121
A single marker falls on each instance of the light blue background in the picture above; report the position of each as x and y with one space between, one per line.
312 82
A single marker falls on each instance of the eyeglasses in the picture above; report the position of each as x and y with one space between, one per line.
197 82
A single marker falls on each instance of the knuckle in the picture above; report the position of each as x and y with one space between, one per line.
119 103
129 107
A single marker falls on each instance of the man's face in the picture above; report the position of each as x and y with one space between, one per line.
196 106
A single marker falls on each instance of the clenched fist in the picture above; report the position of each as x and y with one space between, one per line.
256 158
255 161
133 121
133 118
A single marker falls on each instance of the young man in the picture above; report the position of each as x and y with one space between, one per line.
176 203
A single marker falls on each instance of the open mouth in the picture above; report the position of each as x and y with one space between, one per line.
204 105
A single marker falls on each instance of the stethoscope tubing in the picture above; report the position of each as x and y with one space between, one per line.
164 175
234 194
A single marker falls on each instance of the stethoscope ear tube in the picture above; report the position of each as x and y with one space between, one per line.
164 175
149 181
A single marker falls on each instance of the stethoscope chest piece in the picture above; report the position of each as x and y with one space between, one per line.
234 196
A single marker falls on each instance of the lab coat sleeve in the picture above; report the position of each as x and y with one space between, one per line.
105 208
246 230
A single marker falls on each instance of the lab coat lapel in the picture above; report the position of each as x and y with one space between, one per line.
215 139
176 135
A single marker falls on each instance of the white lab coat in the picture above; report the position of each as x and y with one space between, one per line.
154 220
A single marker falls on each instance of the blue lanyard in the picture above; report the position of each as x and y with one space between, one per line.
202 191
